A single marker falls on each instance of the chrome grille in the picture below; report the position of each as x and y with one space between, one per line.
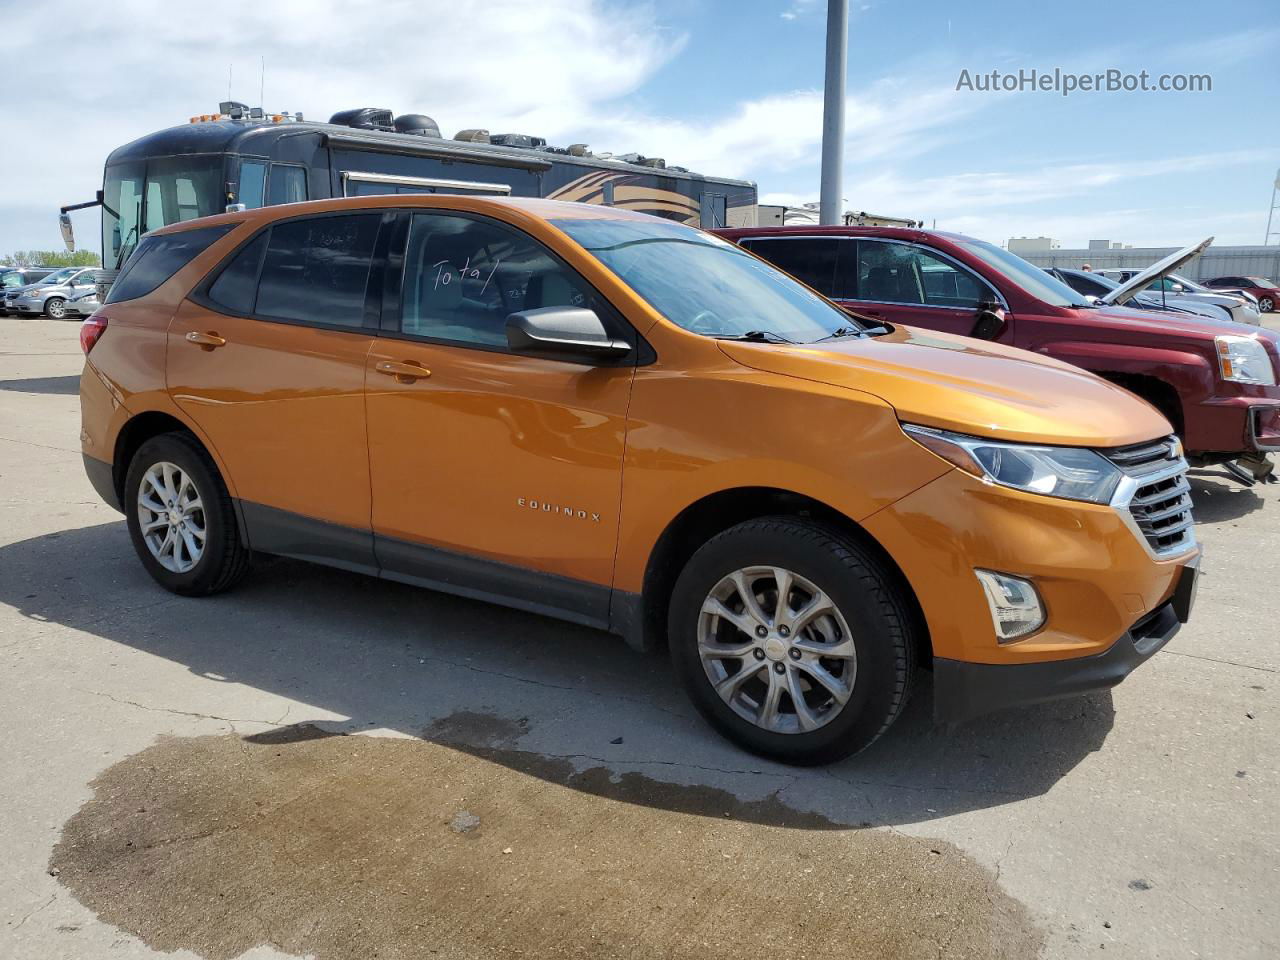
1156 494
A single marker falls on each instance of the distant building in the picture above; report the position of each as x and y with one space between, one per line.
1109 245
776 215
1025 245
1215 262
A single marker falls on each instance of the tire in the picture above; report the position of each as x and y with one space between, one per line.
1266 304
222 557
55 308
871 613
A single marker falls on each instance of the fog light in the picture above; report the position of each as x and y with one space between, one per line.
1015 605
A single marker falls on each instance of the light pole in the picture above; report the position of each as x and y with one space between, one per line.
833 111
1275 185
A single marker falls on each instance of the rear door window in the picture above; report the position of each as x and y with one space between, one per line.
156 259
905 273
317 270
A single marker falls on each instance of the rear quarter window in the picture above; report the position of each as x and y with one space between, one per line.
158 258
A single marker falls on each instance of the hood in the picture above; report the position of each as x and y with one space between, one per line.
1123 292
955 383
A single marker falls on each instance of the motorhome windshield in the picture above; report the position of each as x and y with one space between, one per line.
138 197
1030 278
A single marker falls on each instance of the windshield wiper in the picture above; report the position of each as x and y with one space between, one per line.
758 336
841 332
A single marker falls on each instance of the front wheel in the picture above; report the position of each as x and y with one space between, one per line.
55 308
1266 304
181 519
792 640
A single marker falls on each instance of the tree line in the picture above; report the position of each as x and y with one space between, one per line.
51 258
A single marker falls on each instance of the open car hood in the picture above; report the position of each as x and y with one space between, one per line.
1170 263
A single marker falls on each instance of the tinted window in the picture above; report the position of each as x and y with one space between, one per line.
253 181
156 259
316 270
288 184
1093 286
904 273
811 260
463 277
704 284
237 286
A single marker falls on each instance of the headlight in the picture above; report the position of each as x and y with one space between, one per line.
1073 473
1244 360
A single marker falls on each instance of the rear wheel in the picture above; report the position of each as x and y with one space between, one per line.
181 519
1266 304
792 640
55 308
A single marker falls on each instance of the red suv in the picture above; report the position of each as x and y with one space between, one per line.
1266 291
1215 382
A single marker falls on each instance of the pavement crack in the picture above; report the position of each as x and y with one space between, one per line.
32 913
1230 663
177 713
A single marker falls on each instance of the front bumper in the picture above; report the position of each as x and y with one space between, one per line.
964 690
27 305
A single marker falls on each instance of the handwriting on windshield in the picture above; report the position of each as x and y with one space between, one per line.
446 272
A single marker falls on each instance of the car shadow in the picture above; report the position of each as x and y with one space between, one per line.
557 701
1216 498
66 386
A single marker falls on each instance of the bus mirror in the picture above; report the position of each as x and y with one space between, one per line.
68 232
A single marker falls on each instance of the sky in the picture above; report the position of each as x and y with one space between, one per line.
725 88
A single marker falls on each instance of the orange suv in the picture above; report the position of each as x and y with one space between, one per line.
628 423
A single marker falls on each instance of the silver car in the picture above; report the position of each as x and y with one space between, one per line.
50 295
85 305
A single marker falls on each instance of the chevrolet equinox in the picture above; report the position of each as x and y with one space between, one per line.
625 422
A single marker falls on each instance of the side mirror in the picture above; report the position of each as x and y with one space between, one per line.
1176 288
563 330
68 233
989 322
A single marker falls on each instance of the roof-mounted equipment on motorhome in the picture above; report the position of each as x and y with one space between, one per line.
418 124
472 135
517 140
365 118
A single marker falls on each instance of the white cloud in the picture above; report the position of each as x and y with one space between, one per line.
996 205
501 64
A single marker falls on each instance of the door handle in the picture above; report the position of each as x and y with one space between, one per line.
207 341
403 372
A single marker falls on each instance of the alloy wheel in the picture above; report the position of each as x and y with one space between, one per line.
777 649
56 309
171 517
1266 304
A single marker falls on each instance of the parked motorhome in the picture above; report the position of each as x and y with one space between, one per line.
241 158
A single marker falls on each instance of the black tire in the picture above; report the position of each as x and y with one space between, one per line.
870 600
225 558
55 305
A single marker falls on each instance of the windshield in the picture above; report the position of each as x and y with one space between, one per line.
704 284
1029 277
58 276
121 212
169 190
